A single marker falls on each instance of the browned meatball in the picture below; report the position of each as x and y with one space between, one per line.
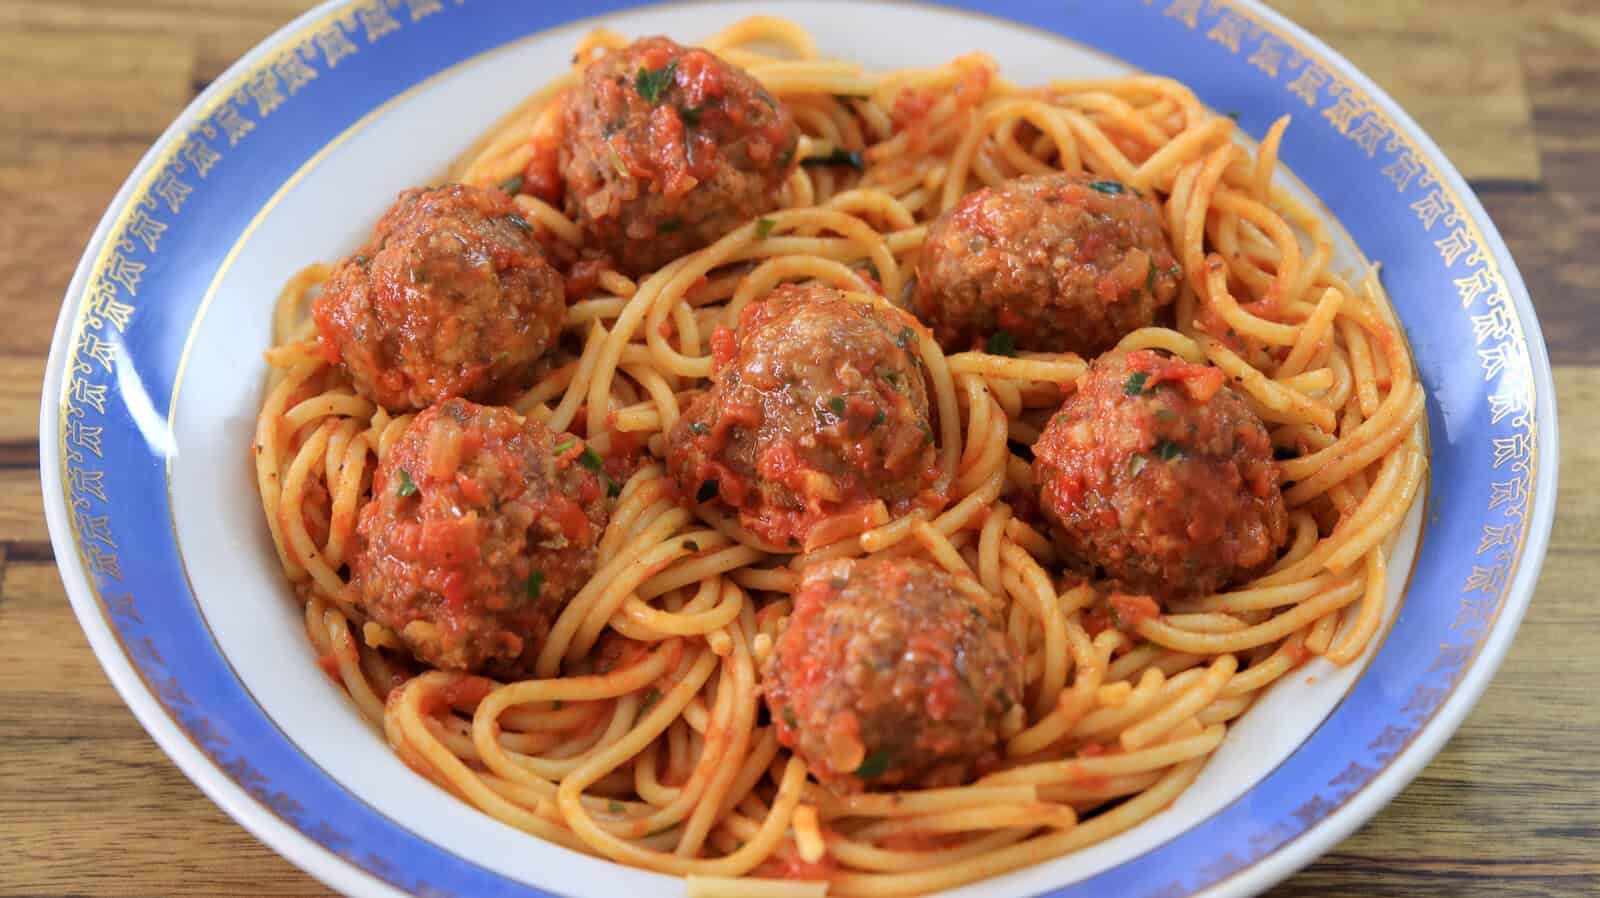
1061 263
891 673
818 407
449 297
482 524
1158 474
667 149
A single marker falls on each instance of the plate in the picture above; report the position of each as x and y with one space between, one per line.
153 384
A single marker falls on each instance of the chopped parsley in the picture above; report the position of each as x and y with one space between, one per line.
512 185
1233 114
520 222
838 582
927 434
1135 383
1167 450
871 268
839 156
879 419
361 260
566 444
764 227
616 807
789 718
651 82
668 226
1150 278
1000 343
893 377
1107 187
691 546
903 339
613 488
699 428
408 487
836 405
690 114
650 698
535 584
875 765
591 459
706 492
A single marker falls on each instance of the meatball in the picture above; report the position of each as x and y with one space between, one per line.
450 297
481 526
668 148
1062 263
891 673
818 407
1158 474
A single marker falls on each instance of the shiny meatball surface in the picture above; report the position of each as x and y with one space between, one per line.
818 407
1061 263
890 673
1155 472
667 148
449 297
482 524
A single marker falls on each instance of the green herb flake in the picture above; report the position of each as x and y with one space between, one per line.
707 491
875 765
880 418
871 268
613 488
535 584
1000 343
789 718
1233 114
699 428
362 261
690 114
618 163
651 82
520 222
591 459
838 582
764 227
836 405
408 487
927 434
564 445
904 338
512 185
616 807
690 545
651 696
1135 383
1111 188
1150 278
668 226
839 156
1167 450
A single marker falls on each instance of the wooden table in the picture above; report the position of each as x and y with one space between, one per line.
89 806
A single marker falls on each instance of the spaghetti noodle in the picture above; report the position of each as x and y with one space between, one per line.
664 762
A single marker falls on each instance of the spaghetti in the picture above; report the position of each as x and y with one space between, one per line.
664 762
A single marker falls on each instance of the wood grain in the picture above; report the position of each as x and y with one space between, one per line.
90 807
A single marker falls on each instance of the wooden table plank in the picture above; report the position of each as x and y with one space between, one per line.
1511 91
